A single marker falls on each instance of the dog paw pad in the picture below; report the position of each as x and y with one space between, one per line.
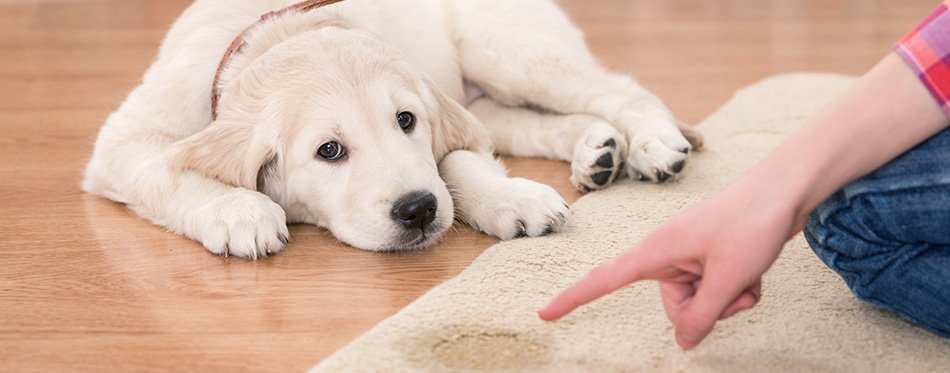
598 158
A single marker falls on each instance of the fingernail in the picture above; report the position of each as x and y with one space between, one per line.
685 342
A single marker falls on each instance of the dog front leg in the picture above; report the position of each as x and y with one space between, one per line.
491 202
227 220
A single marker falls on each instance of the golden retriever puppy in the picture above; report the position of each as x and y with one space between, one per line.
352 117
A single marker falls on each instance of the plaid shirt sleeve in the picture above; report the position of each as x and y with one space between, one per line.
927 50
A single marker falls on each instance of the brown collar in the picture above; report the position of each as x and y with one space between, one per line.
240 41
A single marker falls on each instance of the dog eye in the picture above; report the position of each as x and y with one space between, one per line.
406 121
331 151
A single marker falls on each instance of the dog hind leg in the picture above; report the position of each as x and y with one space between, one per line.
594 148
527 53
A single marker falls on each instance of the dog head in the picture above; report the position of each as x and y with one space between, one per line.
342 131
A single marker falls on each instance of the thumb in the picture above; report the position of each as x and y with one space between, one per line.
692 326
698 318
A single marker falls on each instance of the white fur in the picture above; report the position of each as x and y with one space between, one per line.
342 73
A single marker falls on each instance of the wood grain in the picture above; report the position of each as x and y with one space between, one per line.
85 285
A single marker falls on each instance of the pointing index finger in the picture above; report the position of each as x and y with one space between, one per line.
627 267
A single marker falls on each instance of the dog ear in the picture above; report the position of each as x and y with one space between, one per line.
455 128
228 152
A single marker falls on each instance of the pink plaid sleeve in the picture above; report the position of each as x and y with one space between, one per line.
927 50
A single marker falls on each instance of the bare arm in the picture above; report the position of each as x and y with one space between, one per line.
710 258
885 114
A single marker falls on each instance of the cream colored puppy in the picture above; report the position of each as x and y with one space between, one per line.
350 117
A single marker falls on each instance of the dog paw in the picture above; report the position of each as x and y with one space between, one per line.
241 223
656 153
598 158
519 208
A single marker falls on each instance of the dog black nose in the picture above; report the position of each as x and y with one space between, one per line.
415 210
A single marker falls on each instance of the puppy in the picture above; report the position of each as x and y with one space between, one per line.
350 116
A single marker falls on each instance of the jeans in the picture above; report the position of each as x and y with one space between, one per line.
888 235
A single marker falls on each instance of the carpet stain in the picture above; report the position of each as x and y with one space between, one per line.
487 350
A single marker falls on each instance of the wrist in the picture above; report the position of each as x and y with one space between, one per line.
788 185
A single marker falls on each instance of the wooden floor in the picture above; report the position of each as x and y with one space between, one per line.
85 285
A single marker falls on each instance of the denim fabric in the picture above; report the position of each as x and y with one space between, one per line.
888 235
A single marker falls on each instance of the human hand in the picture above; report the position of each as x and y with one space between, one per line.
709 261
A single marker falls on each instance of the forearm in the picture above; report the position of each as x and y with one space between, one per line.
886 113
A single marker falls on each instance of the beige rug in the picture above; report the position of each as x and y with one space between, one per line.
485 319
